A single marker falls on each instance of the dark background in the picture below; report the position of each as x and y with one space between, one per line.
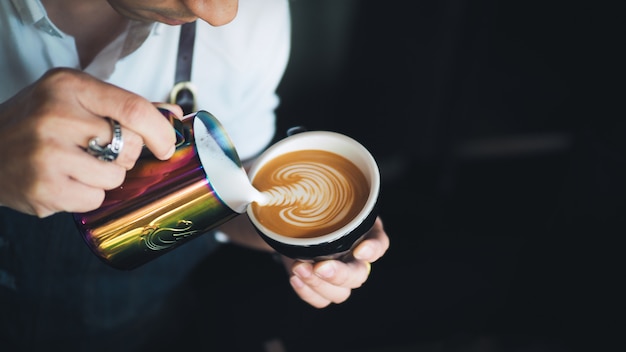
497 127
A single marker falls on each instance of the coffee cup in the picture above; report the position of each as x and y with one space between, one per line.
319 193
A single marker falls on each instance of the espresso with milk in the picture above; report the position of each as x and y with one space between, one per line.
309 193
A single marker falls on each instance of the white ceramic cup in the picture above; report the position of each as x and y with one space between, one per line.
339 242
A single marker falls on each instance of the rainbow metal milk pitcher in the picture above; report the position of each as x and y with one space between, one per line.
162 204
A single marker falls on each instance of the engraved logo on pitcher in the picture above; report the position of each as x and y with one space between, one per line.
158 239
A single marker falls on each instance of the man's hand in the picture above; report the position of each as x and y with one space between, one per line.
44 131
332 281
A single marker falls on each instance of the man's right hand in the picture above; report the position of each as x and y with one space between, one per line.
45 129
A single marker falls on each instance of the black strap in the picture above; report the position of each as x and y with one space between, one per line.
183 93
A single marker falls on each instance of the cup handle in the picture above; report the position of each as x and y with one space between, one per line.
181 134
177 124
295 130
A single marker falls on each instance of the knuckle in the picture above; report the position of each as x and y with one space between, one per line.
90 203
41 212
132 109
129 155
313 282
116 177
322 304
342 297
60 77
133 146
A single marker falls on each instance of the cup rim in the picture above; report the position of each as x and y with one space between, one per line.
371 172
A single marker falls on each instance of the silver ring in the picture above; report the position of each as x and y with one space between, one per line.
111 151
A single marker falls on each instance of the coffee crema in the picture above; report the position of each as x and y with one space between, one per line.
309 193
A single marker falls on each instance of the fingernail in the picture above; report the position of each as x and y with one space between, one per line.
325 271
302 271
170 153
364 252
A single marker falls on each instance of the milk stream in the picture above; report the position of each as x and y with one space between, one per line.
305 202
227 177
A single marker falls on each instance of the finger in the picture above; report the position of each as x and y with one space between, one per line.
375 244
93 172
307 294
57 162
57 190
130 151
318 285
79 197
351 274
174 108
132 112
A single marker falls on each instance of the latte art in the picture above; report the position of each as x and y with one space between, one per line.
309 193
318 195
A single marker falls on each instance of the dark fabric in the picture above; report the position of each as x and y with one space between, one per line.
55 292
185 97
185 52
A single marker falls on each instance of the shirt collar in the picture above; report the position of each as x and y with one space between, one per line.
33 13
138 32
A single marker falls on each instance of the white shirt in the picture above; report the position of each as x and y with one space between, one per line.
236 67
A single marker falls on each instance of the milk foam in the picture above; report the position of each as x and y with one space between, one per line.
311 195
227 177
